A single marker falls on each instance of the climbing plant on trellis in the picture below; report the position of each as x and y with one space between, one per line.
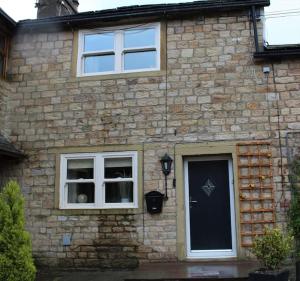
256 189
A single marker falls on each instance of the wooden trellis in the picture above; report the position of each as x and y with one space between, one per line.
256 189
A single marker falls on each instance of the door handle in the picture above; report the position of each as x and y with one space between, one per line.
193 201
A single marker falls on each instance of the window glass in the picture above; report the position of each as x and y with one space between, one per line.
119 192
139 60
81 193
118 168
103 63
99 180
139 38
98 42
80 169
119 50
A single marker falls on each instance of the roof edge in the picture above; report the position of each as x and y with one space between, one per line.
143 11
279 53
16 154
7 18
8 149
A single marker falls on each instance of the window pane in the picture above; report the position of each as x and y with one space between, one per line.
81 193
98 42
80 169
99 64
139 38
140 60
118 168
119 192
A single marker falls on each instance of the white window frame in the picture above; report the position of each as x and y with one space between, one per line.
118 50
98 180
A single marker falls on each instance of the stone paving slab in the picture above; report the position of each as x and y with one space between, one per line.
158 271
81 276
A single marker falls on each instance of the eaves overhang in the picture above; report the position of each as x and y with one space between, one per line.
7 24
8 20
289 53
7 149
142 12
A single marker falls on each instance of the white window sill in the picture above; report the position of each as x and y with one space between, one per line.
97 208
117 73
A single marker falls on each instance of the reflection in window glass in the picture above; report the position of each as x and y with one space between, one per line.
119 192
98 42
80 169
139 38
118 167
81 193
99 63
140 60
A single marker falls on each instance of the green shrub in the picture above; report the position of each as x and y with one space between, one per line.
294 217
294 210
272 248
16 263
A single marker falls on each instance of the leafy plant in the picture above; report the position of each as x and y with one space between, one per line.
294 210
272 248
16 263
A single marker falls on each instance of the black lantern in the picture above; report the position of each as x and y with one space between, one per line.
166 164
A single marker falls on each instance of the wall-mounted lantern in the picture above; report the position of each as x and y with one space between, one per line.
166 165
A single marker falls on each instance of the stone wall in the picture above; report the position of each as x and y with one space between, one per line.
6 167
5 90
213 92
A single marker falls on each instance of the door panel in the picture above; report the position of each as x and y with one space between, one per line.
210 223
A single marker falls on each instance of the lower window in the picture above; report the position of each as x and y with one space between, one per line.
98 180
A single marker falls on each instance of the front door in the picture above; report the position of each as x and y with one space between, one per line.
210 216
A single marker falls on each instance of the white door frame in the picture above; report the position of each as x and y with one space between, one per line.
210 254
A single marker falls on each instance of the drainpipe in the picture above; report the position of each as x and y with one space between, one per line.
253 14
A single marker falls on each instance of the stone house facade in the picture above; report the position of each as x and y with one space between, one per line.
95 121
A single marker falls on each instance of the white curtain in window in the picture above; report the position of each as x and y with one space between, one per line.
80 164
118 162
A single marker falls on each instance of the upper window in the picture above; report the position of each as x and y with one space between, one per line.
101 180
128 49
